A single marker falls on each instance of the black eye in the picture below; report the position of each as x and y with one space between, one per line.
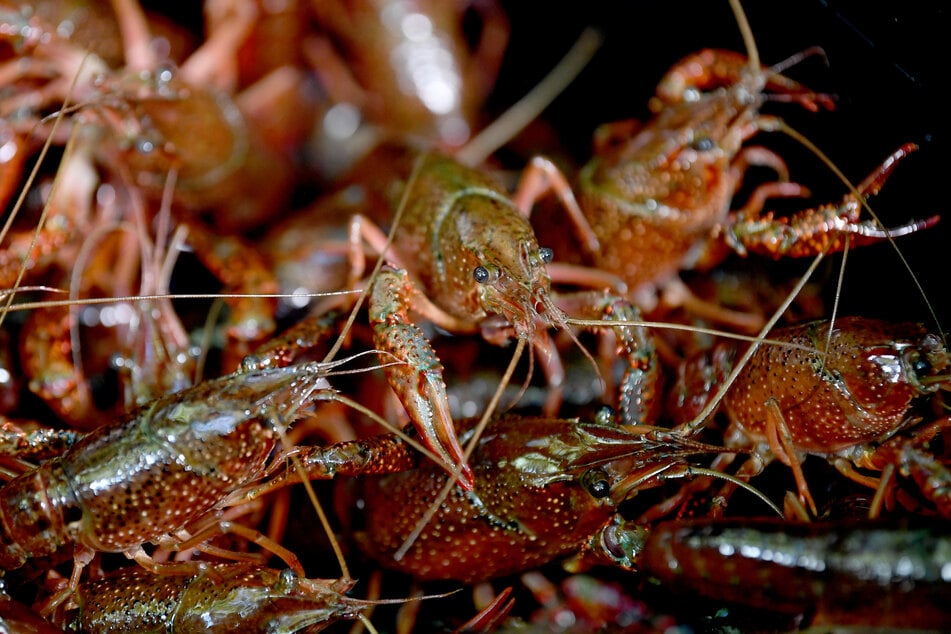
605 415
287 582
546 254
480 274
596 482
917 362
164 73
921 367
703 144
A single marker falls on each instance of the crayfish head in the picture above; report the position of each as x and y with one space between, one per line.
885 365
514 283
620 460
926 364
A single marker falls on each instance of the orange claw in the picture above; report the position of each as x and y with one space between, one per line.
417 380
709 69
930 474
825 228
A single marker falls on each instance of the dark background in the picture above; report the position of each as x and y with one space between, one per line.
885 67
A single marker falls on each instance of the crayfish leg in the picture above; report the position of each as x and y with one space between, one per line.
781 444
197 540
82 557
542 176
930 474
244 272
493 615
17 617
676 294
639 387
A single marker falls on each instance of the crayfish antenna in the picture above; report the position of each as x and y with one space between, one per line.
527 109
560 320
752 52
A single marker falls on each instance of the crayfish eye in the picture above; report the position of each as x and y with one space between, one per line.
921 367
287 582
605 415
546 254
596 482
917 363
703 144
488 274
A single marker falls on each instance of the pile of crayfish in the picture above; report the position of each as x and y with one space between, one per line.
316 313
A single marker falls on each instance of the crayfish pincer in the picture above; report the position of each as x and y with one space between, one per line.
151 474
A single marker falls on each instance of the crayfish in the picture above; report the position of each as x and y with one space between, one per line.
842 390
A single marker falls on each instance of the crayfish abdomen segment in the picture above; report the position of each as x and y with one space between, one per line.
830 568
